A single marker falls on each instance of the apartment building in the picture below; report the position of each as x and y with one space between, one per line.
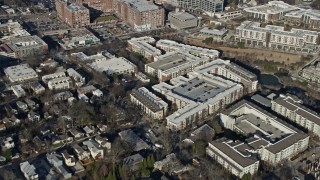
275 37
152 105
312 72
168 46
233 157
182 20
20 73
292 108
78 38
24 46
210 7
272 11
77 77
233 72
276 141
141 15
309 17
142 45
60 83
174 64
104 5
73 14
197 96
29 171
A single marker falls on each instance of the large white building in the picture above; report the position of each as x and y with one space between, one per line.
275 37
197 96
174 64
234 157
231 71
292 108
142 46
152 105
105 62
60 83
272 11
114 66
279 141
168 46
20 73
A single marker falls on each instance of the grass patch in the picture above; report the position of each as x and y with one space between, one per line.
105 18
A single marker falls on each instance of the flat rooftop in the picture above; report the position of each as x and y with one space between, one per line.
112 65
182 16
141 5
20 71
272 7
199 90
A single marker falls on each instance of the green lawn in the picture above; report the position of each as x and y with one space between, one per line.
105 18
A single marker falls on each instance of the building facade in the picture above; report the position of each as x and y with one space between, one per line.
272 11
73 14
229 155
143 46
311 72
141 15
152 105
210 7
293 109
275 37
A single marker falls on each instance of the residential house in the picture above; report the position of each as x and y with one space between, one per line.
31 104
28 170
88 130
103 142
97 93
75 133
33 116
7 143
95 151
82 155
133 162
68 159
22 106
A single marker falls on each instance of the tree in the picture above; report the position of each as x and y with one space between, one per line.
208 40
246 176
217 127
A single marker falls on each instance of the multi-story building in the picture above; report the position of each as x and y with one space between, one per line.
12 29
60 83
78 78
168 46
275 37
233 156
20 73
174 64
29 171
114 66
182 20
312 72
292 108
140 14
207 6
104 5
231 71
143 46
24 46
272 11
276 141
73 14
197 96
152 105
309 17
